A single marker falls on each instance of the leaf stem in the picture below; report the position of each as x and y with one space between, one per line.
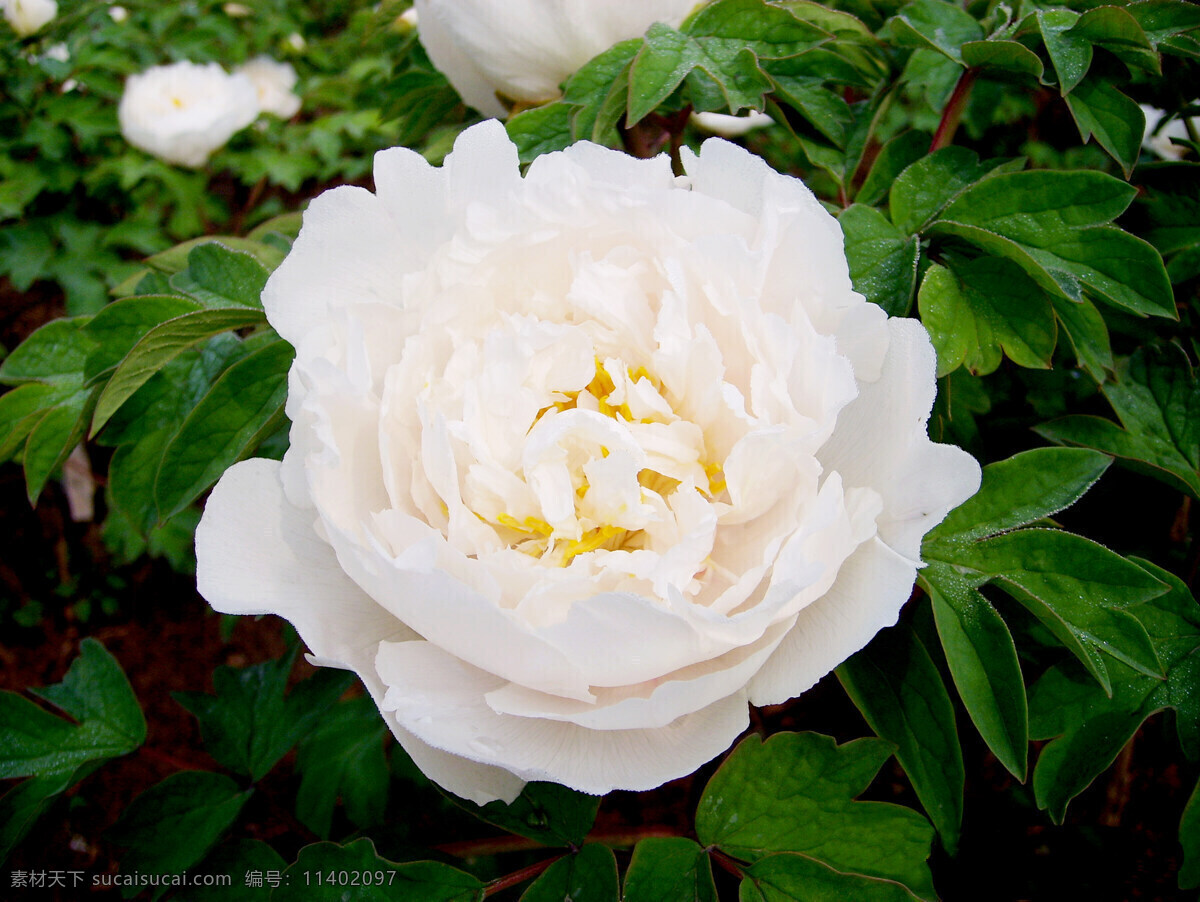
726 862
498 845
517 877
953 112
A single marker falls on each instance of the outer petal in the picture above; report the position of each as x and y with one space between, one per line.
257 554
442 700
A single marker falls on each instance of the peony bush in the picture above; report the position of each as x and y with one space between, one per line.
636 496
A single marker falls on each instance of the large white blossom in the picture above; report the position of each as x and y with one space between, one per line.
28 16
185 111
274 82
523 50
582 462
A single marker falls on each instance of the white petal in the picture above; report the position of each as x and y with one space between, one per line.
442 700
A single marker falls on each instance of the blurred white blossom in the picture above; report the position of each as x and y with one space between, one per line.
28 16
274 82
1160 143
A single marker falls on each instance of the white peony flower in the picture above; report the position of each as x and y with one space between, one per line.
581 462
184 111
274 82
28 16
1160 143
118 14
524 49
731 126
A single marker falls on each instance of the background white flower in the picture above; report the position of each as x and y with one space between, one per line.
274 82
581 462
28 16
1160 143
524 49
184 111
731 126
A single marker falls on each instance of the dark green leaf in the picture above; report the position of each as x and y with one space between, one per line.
936 25
245 861
173 824
52 440
1189 838
1070 54
997 56
546 812
1161 19
160 346
176 259
669 869
344 757
798 878
896 156
317 873
1088 333
96 694
825 109
243 406
249 725
600 90
541 130
768 31
589 875
1088 727
1104 113
883 260
898 689
1118 32
23 804
54 354
120 325
978 308
983 662
795 793
834 21
22 408
931 183
1157 398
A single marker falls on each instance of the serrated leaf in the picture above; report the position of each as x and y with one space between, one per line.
669 869
238 859
794 793
935 25
1071 55
1088 728
55 354
248 725
589 875
896 686
96 694
160 346
1189 838
982 659
243 406
120 325
546 812
173 824
343 756
798 878
308 879
1104 113
1157 398
541 130
978 308
925 188
883 260
1052 224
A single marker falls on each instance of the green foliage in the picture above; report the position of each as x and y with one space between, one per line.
546 812
589 875
669 869
249 724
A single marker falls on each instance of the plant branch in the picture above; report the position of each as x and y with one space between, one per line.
498 845
518 877
953 112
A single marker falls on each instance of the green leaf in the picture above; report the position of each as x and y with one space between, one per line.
176 259
794 793
1088 727
173 824
826 110
24 803
1078 589
344 756
53 439
1070 54
249 725
931 183
834 21
55 354
1189 838
219 276
96 694
600 91
541 130
1052 225
1088 334
983 662
896 156
898 689
669 869
798 878
769 31
317 876
160 346
1118 32
995 56
589 875
978 308
883 260
935 25
1168 213
1157 397
120 325
243 407
23 408
241 860
546 812
1115 121
1162 19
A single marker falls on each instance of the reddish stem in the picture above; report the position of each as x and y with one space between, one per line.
474 848
518 877
952 114
726 862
